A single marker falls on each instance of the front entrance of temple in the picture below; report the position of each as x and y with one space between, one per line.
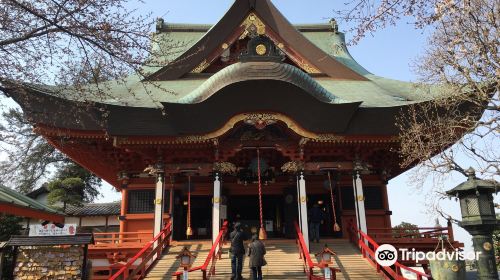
245 209
279 212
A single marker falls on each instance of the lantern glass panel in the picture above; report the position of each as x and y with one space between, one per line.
327 257
485 204
185 260
471 205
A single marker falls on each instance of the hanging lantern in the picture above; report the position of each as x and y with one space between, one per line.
336 226
189 230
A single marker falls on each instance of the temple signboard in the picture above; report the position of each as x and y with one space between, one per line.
52 230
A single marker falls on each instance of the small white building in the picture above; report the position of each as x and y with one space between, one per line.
91 217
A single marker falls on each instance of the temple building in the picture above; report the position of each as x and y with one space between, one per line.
252 119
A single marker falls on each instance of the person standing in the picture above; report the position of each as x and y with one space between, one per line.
237 237
316 217
256 252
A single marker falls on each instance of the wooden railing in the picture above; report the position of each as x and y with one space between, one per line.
147 255
412 235
309 265
368 247
214 255
119 239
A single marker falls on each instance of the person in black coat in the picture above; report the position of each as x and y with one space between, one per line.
237 237
316 216
256 252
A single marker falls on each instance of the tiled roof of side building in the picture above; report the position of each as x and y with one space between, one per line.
10 196
95 209
78 239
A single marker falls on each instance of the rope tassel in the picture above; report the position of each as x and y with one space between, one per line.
262 231
336 226
189 230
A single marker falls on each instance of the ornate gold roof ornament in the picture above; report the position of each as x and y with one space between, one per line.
329 138
261 49
293 166
308 68
202 66
253 25
225 167
260 120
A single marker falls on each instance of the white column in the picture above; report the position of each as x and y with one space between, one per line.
216 209
159 190
298 203
359 200
303 209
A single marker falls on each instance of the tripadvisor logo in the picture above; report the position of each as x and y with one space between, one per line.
387 255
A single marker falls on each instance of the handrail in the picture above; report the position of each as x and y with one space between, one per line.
364 239
219 241
413 233
162 238
308 263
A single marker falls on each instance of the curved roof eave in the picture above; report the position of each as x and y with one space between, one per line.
248 71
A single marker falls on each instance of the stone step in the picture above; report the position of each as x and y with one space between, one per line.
282 261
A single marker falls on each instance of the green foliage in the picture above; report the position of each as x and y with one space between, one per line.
29 156
405 230
69 191
9 225
91 182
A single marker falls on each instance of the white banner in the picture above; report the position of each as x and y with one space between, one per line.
52 230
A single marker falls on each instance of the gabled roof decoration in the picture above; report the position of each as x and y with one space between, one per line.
260 16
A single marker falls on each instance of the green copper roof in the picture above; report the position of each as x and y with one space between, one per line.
10 196
132 91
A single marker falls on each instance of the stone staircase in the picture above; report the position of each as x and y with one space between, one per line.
348 259
282 258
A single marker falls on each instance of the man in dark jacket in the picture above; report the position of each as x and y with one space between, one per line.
256 252
316 216
237 237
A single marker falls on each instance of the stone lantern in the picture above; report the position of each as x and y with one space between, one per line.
325 258
479 219
186 260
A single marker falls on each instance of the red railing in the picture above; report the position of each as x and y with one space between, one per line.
309 265
146 254
214 255
368 246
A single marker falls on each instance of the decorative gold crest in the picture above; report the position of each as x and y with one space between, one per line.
261 49
487 246
157 201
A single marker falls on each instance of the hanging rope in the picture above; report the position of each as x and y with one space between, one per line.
262 231
336 226
189 230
